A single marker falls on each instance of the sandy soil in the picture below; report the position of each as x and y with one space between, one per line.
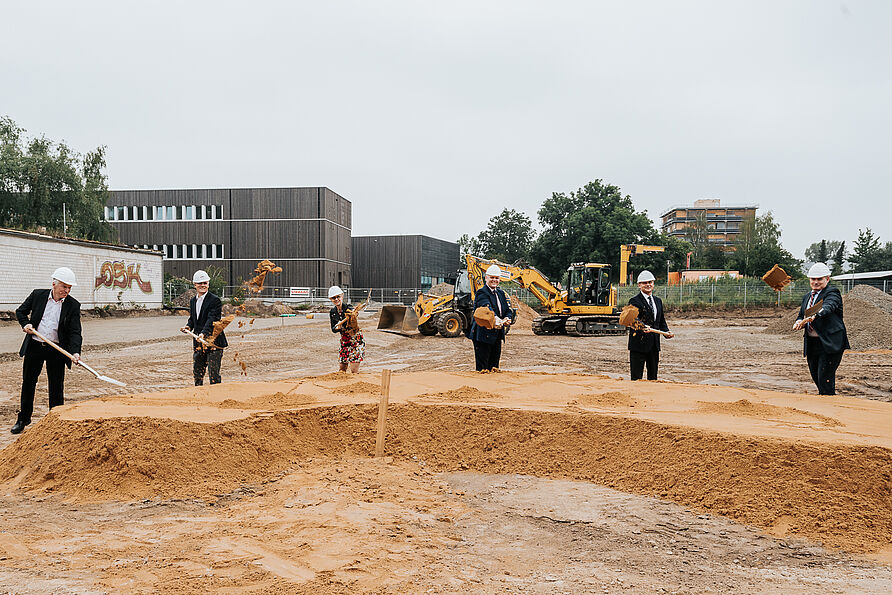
500 483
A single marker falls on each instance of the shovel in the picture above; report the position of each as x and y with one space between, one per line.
79 363
629 317
200 340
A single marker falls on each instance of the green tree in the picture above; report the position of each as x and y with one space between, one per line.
758 248
588 226
839 258
868 254
38 179
697 234
508 237
467 245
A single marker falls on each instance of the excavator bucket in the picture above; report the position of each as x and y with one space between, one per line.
398 319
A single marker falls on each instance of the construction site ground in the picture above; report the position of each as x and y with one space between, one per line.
557 475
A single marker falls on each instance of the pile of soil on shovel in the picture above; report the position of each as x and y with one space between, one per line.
867 312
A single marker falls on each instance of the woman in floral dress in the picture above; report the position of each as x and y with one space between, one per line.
352 344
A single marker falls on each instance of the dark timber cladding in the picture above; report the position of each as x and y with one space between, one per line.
403 262
306 231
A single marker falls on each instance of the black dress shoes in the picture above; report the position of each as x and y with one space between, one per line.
18 427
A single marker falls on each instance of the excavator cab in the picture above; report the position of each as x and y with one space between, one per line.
588 284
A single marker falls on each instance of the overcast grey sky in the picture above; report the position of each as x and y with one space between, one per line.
431 117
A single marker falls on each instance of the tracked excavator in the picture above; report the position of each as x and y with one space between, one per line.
586 308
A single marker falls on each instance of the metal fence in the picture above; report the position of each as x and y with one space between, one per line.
743 293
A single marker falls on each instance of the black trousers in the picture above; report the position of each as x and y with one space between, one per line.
637 360
487 355
36 355
206 359
822 366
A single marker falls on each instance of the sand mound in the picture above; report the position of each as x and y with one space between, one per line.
184 298
747 408
272 402
873 296
255 307
867 316
357 388
464 394
525 314
441 289
611 399
835 493
330 376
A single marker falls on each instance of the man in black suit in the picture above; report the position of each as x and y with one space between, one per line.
644 345
204 310
57 316
488 342
825 335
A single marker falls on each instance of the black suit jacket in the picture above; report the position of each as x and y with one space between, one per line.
828 321
639 340
31 311
203 322
487 298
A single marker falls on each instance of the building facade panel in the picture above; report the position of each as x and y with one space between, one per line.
236 228
723 222
403 262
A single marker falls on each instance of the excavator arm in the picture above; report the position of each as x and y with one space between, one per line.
628 250
529 278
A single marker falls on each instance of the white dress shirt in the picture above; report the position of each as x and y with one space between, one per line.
49 322
198 302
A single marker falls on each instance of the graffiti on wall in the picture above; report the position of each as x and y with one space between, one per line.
118 274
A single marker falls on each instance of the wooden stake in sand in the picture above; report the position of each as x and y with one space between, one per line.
382 412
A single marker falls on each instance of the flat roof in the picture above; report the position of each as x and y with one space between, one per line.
92 243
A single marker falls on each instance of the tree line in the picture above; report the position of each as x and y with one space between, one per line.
38 176
590 224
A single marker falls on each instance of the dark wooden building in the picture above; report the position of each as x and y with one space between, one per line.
306 231
403 262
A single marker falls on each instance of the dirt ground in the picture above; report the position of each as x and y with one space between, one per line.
494 486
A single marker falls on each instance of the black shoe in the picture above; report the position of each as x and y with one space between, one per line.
18 427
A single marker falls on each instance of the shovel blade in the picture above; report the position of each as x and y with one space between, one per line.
111 380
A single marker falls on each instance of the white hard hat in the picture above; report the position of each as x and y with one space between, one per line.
200 276
65 275
494 271
645 276
819 269
334 290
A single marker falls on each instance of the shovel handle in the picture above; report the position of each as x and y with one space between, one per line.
200 340
53 345
653 330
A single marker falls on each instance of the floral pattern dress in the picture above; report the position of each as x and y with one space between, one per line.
352 346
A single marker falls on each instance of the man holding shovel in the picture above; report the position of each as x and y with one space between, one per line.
204 310
57 317
825 337
644 344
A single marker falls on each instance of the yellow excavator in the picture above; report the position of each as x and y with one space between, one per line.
586 308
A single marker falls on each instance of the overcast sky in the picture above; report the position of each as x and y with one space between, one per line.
431 117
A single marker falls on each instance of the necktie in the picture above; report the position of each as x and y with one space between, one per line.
498 305
653 307
811 302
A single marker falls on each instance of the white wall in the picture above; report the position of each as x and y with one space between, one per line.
27 262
